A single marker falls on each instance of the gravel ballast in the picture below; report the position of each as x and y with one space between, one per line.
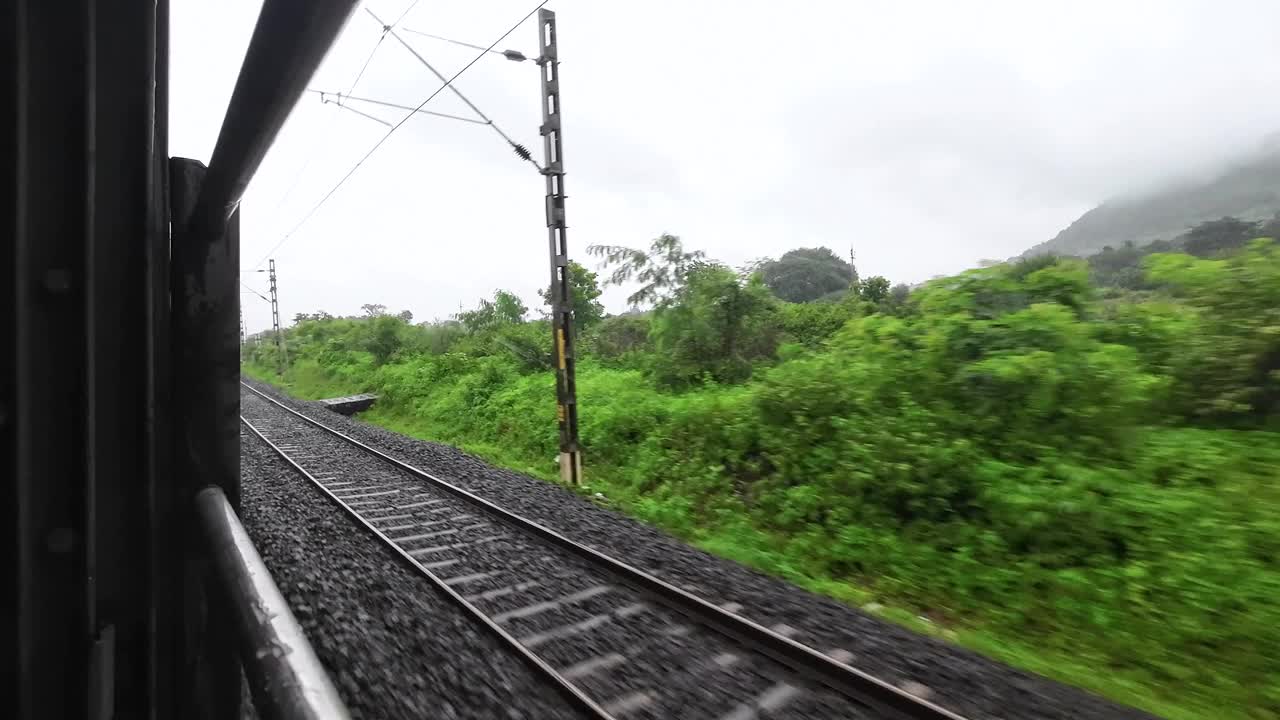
392 644
955 678
570 613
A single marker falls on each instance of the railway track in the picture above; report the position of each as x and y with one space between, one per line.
616 641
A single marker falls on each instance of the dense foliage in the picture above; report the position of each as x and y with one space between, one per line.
1075 479
806 274
585 292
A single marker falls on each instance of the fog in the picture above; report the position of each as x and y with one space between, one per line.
923 136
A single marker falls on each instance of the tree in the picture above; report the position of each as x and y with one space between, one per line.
300 318
436 338
1230 364
806 274
661 270
504 309
619 336
874 289
716 325
1119 267
587 310
1269 228
1214 236
373 309
385 337
405 316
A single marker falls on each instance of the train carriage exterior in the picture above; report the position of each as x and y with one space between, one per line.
132 586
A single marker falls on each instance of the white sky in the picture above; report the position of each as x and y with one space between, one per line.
925 135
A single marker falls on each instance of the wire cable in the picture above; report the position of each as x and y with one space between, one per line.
406 12
521 151
350 89
390 132
255 292
343 98
367 60
297 178
455 42
362 113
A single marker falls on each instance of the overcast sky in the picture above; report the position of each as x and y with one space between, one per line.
923 135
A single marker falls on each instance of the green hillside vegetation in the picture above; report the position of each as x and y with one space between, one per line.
1070 466
1121 268
1249 191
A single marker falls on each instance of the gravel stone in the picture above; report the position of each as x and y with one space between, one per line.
393 645
669 673
955 678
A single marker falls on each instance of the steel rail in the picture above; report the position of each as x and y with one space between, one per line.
567 688
807 662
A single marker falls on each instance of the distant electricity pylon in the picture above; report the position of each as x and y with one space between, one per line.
275 318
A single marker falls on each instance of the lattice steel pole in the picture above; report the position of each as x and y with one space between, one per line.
282 360
561 293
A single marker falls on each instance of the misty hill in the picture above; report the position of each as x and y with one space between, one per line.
1250 191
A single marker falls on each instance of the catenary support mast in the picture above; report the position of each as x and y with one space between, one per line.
275 318
561 292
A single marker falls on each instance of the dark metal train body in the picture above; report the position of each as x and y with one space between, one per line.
118 381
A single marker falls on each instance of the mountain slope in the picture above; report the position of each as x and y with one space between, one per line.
1249 191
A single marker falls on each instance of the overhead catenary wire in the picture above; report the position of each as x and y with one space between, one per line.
450 40
367 61
508 54
412 5
390 132
361 113
521 151
255 292
297 179
381 37
351 88
342 98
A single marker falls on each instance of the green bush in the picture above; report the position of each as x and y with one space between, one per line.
812 324
716 326
620 341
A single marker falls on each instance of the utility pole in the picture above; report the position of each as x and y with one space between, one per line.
561 292
275 317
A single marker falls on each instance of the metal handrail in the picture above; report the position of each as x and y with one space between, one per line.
286 680
289 41
285 677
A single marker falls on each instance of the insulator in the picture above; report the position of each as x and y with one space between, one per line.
522 151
